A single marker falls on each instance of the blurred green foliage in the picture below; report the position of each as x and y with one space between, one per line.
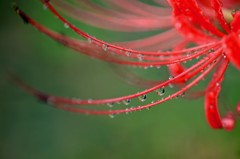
31 130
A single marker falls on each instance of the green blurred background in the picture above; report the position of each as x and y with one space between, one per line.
31 130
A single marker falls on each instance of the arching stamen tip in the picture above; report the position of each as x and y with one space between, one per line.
229 121
15 7
20 13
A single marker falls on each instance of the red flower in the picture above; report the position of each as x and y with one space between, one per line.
202 30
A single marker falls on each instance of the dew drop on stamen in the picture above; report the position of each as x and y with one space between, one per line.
126 111
148 108
131 108
50 100
89 40
139 108
182 94
211 106
145 67
187 10
45 7
111 115
224 56
234 11
210 50
110 105
143 98
127 101
105 47
178 25
161 91
66 25
171 77
140 57
170 84
89 100
128 53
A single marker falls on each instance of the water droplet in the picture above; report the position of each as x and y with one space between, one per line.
148 108
210 50
89 40
66 25
170 84
178 25
187 10
182 94
211 106
224 56
234 11
127 111
128 53
45 7
110 105
139 108
111 115
131 108
170 77
127 101
143 98
105 47
50 100
89 100
161 91
140 57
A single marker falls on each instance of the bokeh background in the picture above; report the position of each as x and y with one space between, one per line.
30 129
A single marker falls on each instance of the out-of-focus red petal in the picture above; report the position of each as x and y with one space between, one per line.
232 47
191 32
217 6
192 11
235 24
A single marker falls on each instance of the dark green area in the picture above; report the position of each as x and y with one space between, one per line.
32 130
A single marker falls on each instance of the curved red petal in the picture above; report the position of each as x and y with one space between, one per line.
211 98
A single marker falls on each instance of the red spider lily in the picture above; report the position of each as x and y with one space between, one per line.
202 30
